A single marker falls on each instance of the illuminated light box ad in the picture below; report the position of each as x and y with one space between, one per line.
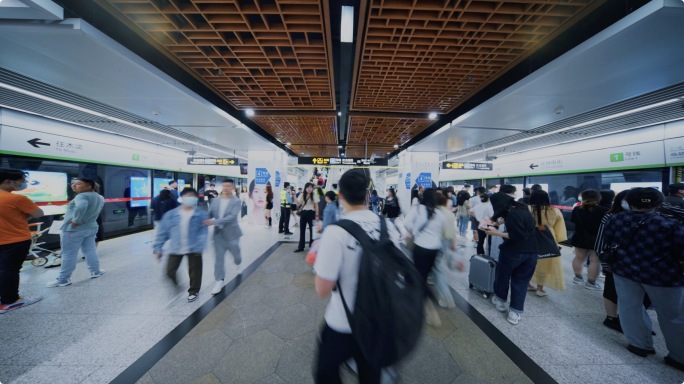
47 187
140 188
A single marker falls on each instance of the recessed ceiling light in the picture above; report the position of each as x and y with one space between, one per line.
339 113
249 112
396 146
432 115
340 147
347 24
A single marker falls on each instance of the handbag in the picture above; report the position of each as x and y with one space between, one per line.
546 243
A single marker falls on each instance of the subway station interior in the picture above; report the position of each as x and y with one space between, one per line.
570 95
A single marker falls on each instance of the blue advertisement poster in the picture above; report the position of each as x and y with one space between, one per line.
140 187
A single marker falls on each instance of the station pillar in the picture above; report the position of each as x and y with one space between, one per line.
416 169
265 168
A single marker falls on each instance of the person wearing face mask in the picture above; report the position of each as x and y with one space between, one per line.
646 258
185 228
15 237
587 218
79 231
224 213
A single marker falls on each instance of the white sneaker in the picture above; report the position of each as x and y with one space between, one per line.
513 317
238 268
578 280
58 283
218 286
97 274
593 287
192 297
500 305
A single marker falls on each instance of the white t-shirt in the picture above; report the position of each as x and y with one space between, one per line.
185 217
426 236
483 210
338 259
223 205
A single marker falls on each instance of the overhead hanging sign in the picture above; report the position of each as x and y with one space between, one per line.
212 161
348 161
470 166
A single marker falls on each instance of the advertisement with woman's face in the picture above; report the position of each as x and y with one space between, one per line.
257 197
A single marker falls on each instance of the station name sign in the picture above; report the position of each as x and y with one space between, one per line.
350 161
212 161
467 166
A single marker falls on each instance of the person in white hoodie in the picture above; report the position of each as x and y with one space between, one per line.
479 211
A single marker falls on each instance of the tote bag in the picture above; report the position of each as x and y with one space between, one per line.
545 240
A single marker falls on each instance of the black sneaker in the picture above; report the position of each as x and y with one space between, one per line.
299 250
613 323
289 233
640 351
281 231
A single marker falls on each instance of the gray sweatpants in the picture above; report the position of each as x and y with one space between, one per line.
221 245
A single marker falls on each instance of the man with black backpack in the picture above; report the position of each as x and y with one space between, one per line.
375 314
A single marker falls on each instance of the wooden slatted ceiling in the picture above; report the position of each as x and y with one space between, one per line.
300 129
431 55
384 132
260 54
315 150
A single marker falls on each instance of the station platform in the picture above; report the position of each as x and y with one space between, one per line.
130 326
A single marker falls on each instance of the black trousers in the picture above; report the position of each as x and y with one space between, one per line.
12 256
306 218
284 223
194 270
424 260
336 348
480 241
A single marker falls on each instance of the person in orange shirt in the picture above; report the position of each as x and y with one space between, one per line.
15 237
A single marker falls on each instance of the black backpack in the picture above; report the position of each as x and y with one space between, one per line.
388 312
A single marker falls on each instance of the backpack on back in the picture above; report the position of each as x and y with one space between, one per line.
388 312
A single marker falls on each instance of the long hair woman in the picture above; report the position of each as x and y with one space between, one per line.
587 218
425 226
391 208
462 214
549 271
308 203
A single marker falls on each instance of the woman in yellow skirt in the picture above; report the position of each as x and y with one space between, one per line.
549 271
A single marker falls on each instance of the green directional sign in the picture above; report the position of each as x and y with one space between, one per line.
617 157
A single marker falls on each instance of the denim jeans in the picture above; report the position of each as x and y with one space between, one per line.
72 242
463 224
636 325
515 269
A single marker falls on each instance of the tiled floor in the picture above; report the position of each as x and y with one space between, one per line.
563 333
266 331
91 331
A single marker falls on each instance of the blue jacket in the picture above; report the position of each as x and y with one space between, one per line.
169 229
330 214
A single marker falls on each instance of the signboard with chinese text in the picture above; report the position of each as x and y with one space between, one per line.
212 161
467 166
345 161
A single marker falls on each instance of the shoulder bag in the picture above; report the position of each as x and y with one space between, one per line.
545 241
299 210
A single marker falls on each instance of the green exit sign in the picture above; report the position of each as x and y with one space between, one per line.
136 157
119 211
616 157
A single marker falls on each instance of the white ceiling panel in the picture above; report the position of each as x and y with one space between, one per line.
74 56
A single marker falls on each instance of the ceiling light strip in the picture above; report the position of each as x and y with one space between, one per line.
584 124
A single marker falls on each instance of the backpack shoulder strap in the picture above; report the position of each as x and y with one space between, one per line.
355 230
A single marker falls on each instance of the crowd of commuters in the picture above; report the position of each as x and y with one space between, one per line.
635 239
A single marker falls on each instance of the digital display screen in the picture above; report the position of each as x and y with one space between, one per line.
47 187
619 187
243 168
140 187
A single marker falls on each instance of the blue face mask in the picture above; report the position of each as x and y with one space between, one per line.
189 201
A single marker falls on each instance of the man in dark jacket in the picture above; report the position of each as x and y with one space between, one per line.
675 195
518 253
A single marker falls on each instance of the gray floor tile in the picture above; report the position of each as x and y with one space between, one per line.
283 296
293 321
277 279
248 320
55 374
430 363
271 379
250 359
191 358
